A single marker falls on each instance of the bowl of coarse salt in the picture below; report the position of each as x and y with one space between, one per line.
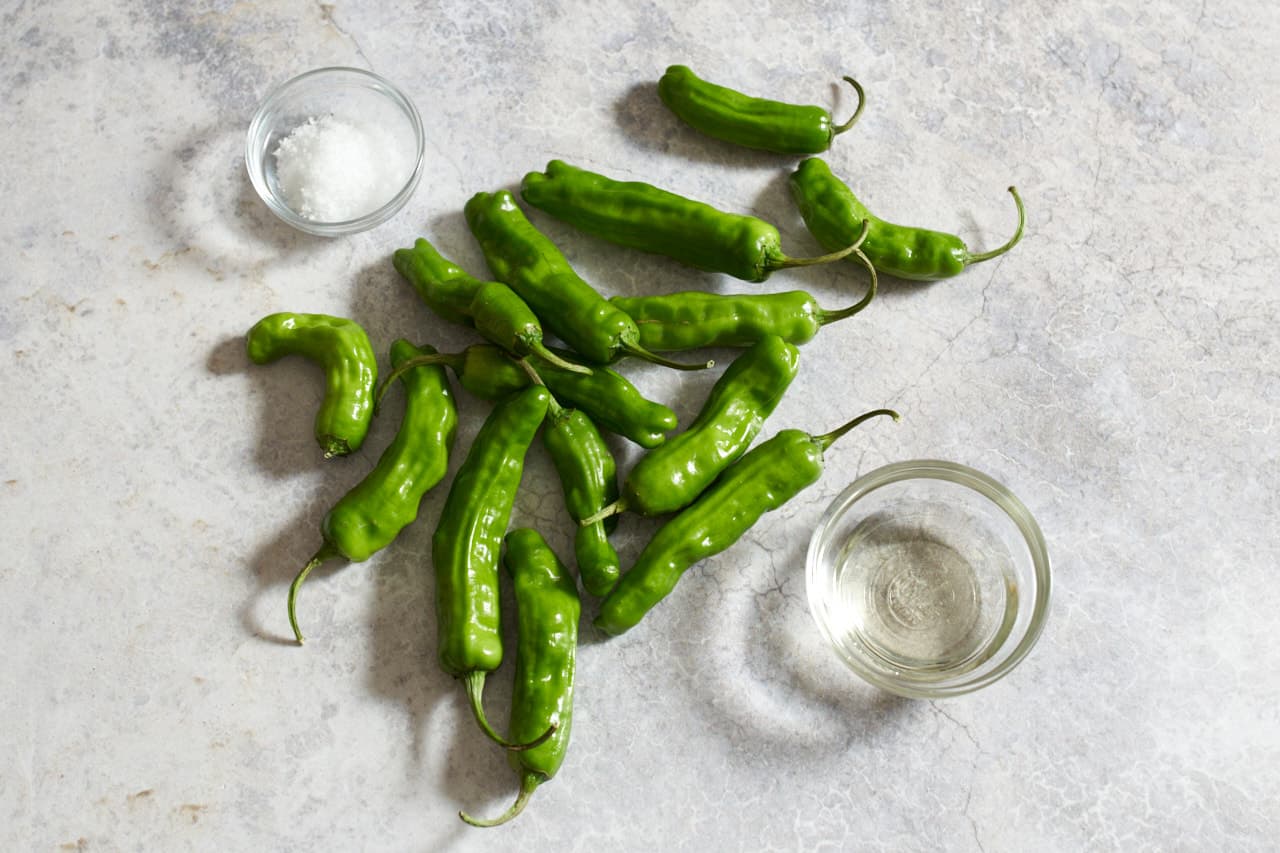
335 151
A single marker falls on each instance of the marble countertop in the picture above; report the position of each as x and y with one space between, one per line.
1118 371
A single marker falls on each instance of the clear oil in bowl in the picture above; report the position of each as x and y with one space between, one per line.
928 578
922 592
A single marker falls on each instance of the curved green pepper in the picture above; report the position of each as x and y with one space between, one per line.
370 516
833 213
465 546
672 476
547 614
342 348
641 216
694 318
522 257
588 474
764 479
753 122
604 395
492 308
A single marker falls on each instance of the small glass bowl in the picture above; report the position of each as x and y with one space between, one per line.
348 94
928 578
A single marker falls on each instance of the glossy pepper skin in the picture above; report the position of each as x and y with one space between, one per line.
547 614
589 476
611 401
522 257
492 308
831 211
468 538
370 516
752 122
644 217
694 318
672 476
768 476
342 348
605 396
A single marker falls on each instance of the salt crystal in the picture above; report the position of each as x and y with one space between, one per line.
330 171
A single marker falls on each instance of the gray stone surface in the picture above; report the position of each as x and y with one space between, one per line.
1118 371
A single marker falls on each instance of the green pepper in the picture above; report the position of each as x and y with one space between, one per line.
342 348
492 308
588 475
465 546
752 122
694 318
547 613
764 479
522 257
672 476
611 401
833 213
641 216
370 516
605 395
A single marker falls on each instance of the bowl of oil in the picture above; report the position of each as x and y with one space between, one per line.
928 578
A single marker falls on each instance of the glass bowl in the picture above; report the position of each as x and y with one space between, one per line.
928 578
365 109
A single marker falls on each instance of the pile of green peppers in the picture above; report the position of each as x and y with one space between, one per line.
709 480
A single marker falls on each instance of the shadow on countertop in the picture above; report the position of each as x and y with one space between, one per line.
762 645
202 202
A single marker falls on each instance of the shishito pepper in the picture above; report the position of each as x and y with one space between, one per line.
342 348
589 477
695 318
642 216
547 613
522 257
753 122
373 513
492 308
764 479
673 475
467 541
605 395
833 214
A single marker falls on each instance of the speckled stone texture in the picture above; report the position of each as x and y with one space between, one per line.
1118 371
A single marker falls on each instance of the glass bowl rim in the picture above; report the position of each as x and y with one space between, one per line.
374 217
988 487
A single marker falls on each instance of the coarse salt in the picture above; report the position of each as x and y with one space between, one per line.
330 170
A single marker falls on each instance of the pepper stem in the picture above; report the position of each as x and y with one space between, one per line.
825 441
825 317
539 349
862 101
326 552
534 376
554 410
640 352
618 506
474 682
453 360
1013 241
787 263
529 782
